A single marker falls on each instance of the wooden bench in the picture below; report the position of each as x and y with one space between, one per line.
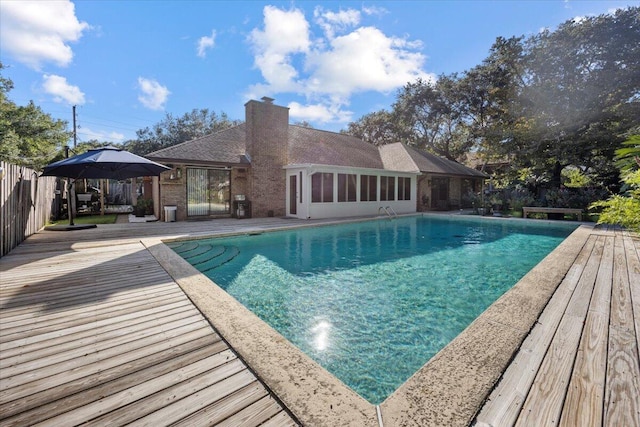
531 209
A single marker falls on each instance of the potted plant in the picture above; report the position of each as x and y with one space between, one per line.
144 207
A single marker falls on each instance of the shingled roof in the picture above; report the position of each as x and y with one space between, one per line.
313 146
401 157
227 147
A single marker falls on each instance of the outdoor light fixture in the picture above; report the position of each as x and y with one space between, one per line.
176 173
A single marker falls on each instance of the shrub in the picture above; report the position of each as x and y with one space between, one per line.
516 198
623 210
573 197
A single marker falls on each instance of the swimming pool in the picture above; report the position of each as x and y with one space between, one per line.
373 301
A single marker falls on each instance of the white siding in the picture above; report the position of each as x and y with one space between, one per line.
308 209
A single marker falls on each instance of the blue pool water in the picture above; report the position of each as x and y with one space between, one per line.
373 301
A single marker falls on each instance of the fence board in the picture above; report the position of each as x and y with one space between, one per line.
26 201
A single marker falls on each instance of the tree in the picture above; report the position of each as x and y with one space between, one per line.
28 136
429 115
580 93
171 131
487 100
377 128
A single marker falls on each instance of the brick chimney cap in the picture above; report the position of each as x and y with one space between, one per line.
267 100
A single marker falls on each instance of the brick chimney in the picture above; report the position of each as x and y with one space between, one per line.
267 127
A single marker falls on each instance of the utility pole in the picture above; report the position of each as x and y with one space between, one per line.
75 138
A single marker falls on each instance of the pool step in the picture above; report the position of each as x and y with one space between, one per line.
229 253
205 257
183 247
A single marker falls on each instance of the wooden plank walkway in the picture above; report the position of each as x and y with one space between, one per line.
579 366
93 331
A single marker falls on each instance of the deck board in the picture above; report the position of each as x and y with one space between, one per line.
583 404
622 399
96 332
589 373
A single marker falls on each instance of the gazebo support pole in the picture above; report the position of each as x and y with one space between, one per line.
69 208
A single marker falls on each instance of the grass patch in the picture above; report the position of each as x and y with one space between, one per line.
89 219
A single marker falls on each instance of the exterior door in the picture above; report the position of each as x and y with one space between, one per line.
293 195
440 193
208 191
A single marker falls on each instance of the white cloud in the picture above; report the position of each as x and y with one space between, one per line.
153 95
327 69
365 60
374 10
87 134
320 113
61 90
285 33
334 22
36 32
205 43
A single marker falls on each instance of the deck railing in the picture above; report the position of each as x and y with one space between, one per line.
26 202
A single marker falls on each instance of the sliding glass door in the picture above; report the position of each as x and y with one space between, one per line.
208 191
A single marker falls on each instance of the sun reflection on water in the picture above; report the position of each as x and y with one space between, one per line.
321 335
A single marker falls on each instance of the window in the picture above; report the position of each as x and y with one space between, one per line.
346 187
368 188
404 188
387 188
321 187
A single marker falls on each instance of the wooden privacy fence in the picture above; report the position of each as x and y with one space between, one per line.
26 204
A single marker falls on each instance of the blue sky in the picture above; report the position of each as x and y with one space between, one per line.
126 64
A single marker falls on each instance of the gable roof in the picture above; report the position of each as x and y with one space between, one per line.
399 156
313 146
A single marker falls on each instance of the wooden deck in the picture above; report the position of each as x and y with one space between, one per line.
579 366
94 331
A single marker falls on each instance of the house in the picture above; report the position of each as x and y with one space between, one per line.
267 167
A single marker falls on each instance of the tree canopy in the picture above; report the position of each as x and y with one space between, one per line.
28 136
562 98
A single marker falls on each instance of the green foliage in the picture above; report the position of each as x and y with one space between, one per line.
377 128
556 101
573 197
580 93
575 178
623 210
627 156
28 136
516 198
144 207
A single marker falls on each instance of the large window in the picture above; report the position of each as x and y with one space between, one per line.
368 188
347 187
321 187
387 188
404 188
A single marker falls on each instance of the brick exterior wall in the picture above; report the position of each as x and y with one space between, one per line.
174 193
267 145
